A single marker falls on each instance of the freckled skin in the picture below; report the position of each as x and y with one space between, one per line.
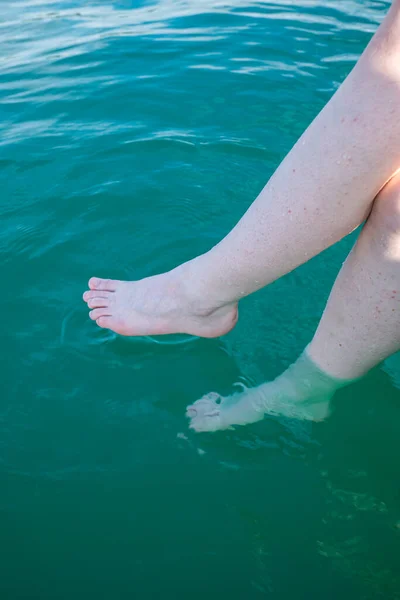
327 197
364 286
348 342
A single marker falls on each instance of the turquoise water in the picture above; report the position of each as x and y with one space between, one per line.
133 135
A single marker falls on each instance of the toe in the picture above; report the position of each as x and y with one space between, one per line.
90 294
98 302
109 285
98 312
105 322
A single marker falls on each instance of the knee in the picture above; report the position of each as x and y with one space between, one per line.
385 213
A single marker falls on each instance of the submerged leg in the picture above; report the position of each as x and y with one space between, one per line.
359 328
322 190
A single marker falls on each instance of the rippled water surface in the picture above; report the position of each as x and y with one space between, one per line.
132 136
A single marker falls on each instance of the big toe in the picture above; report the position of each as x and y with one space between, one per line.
99 312
105 322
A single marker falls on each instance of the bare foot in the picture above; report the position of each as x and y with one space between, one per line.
157 305
302 392
216 413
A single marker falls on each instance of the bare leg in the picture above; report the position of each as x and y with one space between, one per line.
323 190
359 328
361 324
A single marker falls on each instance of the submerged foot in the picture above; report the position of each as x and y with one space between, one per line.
157 305
302 392
216 413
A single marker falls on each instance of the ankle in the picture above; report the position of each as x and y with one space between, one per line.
197 289
333 363
306 381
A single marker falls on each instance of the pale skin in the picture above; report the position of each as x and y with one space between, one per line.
341 172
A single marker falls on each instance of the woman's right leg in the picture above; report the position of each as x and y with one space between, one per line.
322 190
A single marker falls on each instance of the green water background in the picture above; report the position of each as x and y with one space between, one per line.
133 135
